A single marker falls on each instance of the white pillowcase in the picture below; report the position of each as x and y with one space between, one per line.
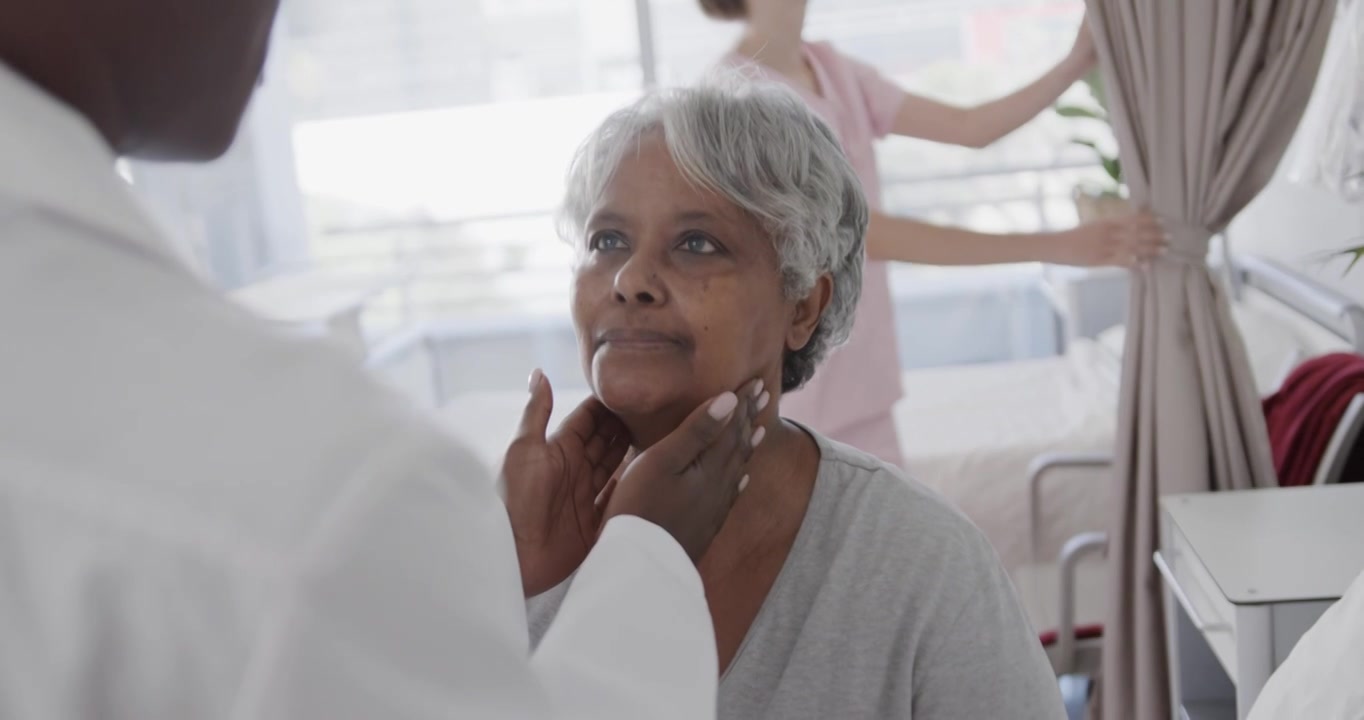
1276 338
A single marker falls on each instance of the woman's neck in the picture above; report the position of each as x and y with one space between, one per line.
648 428
773 35
782 476
782 473
647 431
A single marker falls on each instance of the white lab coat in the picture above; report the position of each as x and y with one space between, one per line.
202 519
1321 677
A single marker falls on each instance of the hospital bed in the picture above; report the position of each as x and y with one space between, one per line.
1284 319
972 432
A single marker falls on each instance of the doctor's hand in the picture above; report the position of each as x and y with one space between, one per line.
687 482
550 484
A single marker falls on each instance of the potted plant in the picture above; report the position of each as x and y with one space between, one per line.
1107 198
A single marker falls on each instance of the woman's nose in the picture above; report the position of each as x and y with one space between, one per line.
638 281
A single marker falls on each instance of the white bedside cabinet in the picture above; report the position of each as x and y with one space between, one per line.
1245 575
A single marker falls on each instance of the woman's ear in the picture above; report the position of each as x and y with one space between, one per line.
807 313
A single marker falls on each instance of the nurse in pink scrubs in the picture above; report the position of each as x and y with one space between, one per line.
852 397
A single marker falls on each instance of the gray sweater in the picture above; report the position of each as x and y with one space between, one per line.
891 604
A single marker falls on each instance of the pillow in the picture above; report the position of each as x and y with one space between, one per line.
1277 339
1112 339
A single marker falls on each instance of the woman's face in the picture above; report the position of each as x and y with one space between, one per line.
678 295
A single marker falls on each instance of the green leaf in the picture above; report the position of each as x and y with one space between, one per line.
1355 254
1113 167
1111 164
1092 146
1095 82
1075 111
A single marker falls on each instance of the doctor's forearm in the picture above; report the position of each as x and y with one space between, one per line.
633 637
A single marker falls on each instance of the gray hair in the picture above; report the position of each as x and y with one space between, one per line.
756 145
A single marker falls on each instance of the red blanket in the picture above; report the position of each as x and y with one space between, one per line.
1304 413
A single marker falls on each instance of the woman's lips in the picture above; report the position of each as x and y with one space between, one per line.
643 340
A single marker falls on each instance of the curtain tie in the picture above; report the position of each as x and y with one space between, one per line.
1189 241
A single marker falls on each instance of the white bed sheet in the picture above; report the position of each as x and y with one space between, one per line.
971 433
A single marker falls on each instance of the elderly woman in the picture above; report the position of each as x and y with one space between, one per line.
720 238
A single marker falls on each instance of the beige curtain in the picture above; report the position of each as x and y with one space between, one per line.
1204 96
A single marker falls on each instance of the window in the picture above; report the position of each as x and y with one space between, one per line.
431 136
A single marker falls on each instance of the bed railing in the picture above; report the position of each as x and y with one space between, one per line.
1332 310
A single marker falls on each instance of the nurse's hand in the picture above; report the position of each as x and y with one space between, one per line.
1128 241
550 484
687 482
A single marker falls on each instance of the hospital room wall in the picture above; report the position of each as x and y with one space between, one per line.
241 217
1302 227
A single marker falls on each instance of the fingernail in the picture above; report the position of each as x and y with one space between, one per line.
763 401
535 379
743 484
758 436
723 406
758 389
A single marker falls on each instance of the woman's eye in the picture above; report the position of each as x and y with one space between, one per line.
605 242
699 244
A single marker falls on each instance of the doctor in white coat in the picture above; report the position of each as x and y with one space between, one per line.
200 519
